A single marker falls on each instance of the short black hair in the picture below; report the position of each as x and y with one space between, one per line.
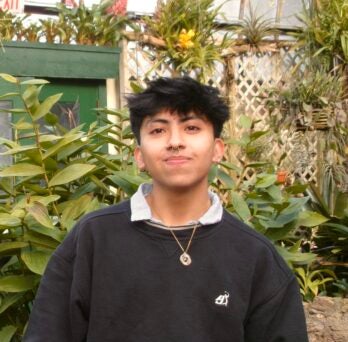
177 95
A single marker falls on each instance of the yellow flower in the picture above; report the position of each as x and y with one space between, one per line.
185 39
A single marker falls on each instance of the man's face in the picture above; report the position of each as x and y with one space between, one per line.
178 151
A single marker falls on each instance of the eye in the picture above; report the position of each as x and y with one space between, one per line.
157 131
192 128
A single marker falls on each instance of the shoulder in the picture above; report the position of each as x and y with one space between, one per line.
94 224
241 230
106 213
255 246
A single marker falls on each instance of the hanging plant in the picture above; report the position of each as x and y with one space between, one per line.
186 35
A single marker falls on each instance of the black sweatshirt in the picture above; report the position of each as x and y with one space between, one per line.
122 281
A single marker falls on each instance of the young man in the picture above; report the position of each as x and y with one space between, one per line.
170 264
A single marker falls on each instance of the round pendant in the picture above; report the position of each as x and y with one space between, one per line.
185 259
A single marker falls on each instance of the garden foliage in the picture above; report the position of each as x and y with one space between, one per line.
55 177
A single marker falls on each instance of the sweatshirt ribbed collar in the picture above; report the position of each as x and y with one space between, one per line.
140 210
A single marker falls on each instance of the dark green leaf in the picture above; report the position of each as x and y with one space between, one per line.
18 283
240 206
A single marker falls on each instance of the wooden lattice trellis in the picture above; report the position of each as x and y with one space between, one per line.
242 78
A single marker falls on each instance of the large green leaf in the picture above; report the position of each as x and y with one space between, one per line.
311 219
7 95
18 283
45 200
11 246
18 149
6 185
7 332
8 78
265 181
46 106
70 173
40 213
62 143
74 210
226 179
245 121
35 81
240 206
8 300
31 97
49 137
39 240
22 170
55 234
296 257
36 261
275 192
8 221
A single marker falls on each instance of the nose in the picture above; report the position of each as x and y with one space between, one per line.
175 140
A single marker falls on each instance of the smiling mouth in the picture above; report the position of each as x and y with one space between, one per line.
177 160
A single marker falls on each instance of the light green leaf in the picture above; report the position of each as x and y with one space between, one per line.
7 95
35 82
275 192
16 110
49 137
46 106
36 261
310 219
22 170
55 234
75 209
40 213
22 125
240 206
296 257
41 240
9 221
6 333
19 149
65 141
18 283
245 122
45 200
10 246
70 173
31 97
6 185
265 181
8 78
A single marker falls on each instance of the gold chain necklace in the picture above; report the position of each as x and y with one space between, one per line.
185 257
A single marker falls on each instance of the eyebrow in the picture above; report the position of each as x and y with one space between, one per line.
182 119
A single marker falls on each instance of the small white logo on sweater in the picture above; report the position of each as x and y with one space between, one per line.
222 299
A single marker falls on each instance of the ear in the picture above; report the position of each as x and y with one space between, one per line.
219 149
138 156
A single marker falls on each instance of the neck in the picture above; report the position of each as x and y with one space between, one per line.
176 208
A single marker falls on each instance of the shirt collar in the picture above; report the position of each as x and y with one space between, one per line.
141 211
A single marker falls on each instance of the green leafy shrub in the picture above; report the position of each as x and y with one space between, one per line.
255 195
55 177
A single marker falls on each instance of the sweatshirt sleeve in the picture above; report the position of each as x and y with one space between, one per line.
279 318
59 312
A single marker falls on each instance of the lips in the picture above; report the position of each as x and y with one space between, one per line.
177 160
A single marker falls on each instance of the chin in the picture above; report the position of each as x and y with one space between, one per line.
183 184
